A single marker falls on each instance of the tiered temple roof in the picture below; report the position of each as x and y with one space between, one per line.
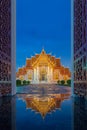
55 62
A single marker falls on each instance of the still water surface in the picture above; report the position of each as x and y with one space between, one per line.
53 112
44 108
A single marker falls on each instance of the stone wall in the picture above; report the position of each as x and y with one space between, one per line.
6 38
80 47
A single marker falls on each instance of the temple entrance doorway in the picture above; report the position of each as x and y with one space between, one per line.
43 75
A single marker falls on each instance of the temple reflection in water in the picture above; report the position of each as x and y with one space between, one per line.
59 111
45 104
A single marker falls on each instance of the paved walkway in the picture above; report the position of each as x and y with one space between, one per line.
43 88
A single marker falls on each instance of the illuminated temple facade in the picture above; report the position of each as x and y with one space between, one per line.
43 68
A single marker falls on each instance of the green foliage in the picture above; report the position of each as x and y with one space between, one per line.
24 82
18 82
28 82
58 82
69 82
62 82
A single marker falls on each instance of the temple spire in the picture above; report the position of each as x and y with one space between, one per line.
43 51
43 47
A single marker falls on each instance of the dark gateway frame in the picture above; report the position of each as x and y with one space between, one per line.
8 47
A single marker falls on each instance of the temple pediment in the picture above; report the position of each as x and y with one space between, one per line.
43 68
43 59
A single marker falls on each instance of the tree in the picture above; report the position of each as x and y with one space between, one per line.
62 82
24 82
58 82
18 82
69 82
28 82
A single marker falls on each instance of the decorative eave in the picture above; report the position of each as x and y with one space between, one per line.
43 53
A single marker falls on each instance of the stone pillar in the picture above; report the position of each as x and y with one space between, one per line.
37 74
51 74
33 75
48 75
26 77
59 75
13 46
8 47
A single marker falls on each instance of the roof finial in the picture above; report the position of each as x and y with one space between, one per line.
43 48
43 51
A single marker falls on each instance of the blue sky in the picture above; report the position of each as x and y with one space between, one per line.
43 23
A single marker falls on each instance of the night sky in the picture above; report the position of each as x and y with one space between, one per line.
43 24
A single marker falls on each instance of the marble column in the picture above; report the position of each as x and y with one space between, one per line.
48 75
51 74
26 77
37 74
33 75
